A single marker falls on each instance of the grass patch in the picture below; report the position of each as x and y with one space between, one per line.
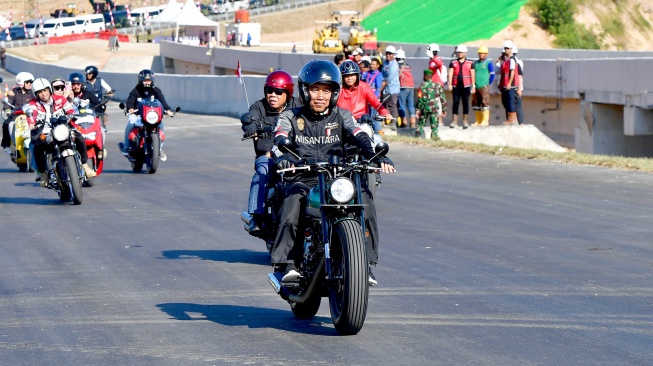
612 25
640 22
615 162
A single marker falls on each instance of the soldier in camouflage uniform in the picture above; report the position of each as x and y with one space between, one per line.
431 104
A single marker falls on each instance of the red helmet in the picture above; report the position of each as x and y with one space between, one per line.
280 80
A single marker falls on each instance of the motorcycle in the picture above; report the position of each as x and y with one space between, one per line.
87 122
334 263
20 137
146 138
269 221
366 123
65 172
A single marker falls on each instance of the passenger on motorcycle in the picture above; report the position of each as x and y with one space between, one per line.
20 95
317 131
355 96
278 91
144 89
97 86
59 87
79 90
44 106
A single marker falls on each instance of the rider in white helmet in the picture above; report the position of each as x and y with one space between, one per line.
20 95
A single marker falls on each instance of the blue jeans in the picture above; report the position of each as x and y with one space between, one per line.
407 101
259 188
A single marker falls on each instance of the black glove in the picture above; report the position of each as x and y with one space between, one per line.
250 131
385 160
284 163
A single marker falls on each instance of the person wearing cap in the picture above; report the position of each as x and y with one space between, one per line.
390 88
358 56
518 93
484 70
462 81
509 82
406 89
431 104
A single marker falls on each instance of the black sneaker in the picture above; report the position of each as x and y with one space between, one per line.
290 274
370 277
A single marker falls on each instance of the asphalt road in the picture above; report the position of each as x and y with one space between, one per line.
485 260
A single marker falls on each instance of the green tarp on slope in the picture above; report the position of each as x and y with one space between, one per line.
442 21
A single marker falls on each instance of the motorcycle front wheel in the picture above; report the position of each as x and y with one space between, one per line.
156 153
75 184
90 181
349 291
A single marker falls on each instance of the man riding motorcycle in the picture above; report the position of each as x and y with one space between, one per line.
20 95
97 86
45 106
144 89
80 91
278 91
317 131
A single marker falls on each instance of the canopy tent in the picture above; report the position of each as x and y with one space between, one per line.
170 12
191 16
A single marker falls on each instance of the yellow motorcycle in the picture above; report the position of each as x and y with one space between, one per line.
20 138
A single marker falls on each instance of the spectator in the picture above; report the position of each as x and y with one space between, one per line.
358 56
365 68
3 56
338 58
390 84
431 104
520 89
484 70
406 89
249 40
375 80
461 83
509 82
437 66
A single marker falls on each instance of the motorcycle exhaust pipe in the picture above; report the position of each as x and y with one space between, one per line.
274 282
302 299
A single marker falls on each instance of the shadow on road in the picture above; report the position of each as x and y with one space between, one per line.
252 317
29 201
229 256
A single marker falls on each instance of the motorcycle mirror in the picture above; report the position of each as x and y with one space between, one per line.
366 118
177 109
27 110
1 80
381 149
121 105
286 146
246 119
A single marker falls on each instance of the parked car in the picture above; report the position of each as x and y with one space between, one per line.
15 33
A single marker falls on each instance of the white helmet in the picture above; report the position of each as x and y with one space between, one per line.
391 49
41 84
508 44
461 48
22 77
433 47
515 50
401 53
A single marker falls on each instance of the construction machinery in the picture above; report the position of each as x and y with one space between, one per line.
327 39
352 32
70 11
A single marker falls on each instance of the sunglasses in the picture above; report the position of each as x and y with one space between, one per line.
269 90
28 81
59 87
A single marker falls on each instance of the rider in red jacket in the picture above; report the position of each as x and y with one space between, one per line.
355 96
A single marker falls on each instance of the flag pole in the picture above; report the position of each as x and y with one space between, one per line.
239 72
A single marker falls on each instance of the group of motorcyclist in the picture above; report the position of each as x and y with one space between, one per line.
54 97
319 124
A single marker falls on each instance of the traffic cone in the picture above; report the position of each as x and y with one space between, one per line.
6 88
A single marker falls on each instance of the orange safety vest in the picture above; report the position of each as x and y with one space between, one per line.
505 75
467 72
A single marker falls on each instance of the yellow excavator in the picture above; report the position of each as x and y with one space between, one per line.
327 39
352 33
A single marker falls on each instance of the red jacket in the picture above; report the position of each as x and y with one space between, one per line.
59 103
357 98
435 65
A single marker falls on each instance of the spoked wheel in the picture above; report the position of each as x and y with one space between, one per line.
308 309
156 153
348 294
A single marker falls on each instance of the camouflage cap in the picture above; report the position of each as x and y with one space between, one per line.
428 72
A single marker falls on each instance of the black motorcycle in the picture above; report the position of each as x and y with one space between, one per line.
65 172
334 263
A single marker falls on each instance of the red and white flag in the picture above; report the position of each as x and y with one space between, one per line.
111 16
24 26
239 72
40 24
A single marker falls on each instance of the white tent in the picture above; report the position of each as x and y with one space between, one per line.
4 22
170 12
191 16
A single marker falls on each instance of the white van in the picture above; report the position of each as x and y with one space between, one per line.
140 15
90 23
57 27
33 28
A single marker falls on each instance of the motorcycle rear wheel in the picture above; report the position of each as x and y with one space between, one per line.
75 184
308 309
156 153
348 295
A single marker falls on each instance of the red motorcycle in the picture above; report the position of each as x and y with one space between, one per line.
146 137
87 122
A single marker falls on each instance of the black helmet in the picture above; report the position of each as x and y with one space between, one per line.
92 70
349 67
76 77
319 72
146 75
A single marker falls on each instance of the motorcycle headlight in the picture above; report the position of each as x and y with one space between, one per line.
152 117
342 190
61 133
